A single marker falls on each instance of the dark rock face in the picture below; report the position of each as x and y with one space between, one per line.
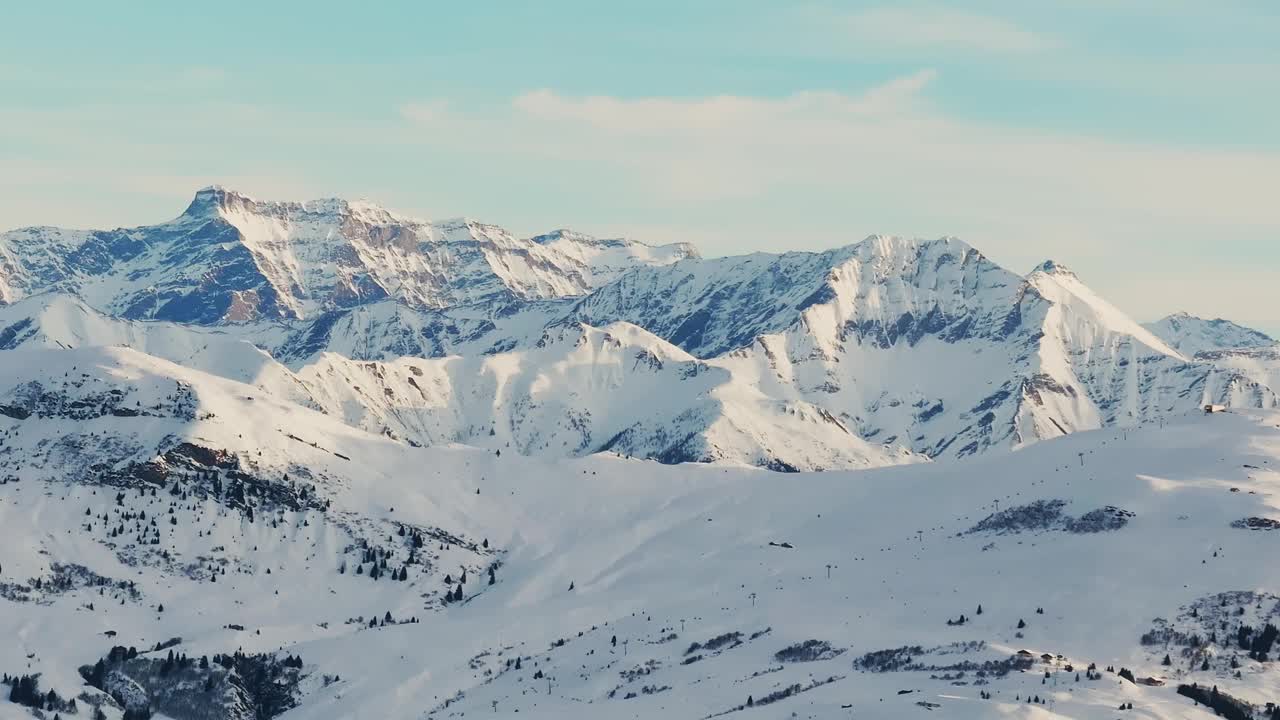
77 399
218 474
228 272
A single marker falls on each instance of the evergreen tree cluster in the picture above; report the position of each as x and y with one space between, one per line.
267 680
1257 643
376 558
1221 703
25 690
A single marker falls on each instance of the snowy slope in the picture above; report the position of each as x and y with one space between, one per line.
293 497
388 330
580 390
1193 335
1111 547
1261 364
573 390
604 259
64 321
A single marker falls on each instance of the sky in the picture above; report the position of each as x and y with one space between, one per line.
1134 141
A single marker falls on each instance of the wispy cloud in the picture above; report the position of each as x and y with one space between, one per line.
888 136
936 27
425 111
722 115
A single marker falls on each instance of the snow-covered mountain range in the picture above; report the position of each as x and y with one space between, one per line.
319 460
883 351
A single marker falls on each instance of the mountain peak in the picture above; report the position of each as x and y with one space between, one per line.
211 199
220 200
561 234
1053 267
1192 334
566 236
893 244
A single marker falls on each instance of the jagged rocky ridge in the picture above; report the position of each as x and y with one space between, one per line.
1192 336
230 258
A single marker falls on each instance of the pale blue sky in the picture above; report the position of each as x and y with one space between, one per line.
1137 141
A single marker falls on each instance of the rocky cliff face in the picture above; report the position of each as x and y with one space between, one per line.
232 259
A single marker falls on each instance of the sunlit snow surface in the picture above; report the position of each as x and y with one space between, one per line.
650 550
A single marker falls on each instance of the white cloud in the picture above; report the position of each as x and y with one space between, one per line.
940 28
425 111
897 93
888 139
723 115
